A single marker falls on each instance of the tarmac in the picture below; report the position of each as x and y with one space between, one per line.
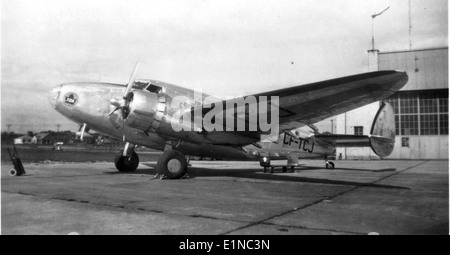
385 197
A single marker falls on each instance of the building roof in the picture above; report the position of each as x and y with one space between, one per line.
414 50
25 137
41 136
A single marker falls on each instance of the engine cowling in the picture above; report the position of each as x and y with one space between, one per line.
146 110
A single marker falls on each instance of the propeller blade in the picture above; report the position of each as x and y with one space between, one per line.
131 82
83 128
127 96
113 111
123 126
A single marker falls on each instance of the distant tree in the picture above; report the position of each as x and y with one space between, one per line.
9 137
30 133
47 131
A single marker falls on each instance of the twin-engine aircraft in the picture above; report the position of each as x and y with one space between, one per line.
169 118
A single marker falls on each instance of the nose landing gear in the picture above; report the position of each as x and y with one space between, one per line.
126 164
127 159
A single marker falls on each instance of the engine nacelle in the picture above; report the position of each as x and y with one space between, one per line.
146 110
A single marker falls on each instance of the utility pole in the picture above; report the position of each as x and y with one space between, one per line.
410 25
57 126
332 126
9 126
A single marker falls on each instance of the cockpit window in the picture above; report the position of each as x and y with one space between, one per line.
140 84
154 89
148 86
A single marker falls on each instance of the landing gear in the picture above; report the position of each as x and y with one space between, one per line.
268 169
126 164
329 164
172 164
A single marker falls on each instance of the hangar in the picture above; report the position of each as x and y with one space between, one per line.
421 107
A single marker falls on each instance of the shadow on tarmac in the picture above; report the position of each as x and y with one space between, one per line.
257 174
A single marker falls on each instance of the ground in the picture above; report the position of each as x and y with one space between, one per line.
358 197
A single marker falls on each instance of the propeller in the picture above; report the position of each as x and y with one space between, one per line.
124 102
83 129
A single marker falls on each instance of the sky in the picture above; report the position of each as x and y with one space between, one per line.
224 48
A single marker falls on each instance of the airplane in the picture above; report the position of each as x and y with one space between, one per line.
142 113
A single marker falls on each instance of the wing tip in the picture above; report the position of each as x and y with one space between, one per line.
398 78
402 79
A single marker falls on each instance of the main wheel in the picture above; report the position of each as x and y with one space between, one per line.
126 164
329 165
172 164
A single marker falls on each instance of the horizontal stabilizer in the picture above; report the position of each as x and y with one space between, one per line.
381 138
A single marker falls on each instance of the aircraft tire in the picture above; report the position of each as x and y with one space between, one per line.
329 165
126 164
172 164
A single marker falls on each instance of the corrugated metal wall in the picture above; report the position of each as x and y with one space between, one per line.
427 70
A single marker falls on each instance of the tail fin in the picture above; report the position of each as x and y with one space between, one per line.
382 134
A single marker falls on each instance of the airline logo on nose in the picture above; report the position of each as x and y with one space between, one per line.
70 99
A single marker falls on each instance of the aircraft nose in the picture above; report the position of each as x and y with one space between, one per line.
54 95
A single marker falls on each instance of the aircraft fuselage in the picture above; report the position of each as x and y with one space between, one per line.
89 103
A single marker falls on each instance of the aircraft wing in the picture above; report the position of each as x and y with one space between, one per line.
311 103
307 104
